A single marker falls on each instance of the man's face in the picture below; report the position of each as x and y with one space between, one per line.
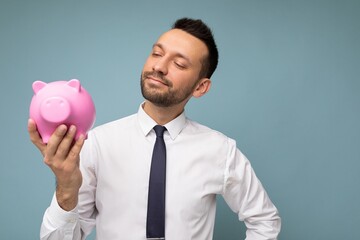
171 72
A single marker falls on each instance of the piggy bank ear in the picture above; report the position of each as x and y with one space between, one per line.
37 86
74 83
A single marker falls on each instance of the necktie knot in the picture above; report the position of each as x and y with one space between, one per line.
159 130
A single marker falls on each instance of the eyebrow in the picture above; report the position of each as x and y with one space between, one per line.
177 54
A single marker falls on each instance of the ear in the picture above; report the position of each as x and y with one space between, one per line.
202 87
37 86
74 83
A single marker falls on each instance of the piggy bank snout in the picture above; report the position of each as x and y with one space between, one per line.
55 109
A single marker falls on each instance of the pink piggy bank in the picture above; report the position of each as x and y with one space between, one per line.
61 102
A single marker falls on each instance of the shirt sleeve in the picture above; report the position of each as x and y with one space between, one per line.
246 196
60 224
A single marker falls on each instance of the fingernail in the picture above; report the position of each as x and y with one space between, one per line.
62 128
72 128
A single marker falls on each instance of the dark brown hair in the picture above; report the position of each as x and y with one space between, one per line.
200 30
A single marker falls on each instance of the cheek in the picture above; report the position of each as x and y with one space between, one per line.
147 65
183 79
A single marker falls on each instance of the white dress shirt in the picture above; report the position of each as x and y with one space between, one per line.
201 163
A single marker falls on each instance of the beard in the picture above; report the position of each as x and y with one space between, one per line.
167 98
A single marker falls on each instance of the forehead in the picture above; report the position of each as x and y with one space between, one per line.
179 42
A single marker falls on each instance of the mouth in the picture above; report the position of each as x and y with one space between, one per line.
156 80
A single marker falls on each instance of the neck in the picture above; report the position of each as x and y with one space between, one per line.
163 115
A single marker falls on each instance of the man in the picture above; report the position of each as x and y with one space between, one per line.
104 182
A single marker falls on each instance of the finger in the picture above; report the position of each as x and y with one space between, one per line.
55 140
76 148
35 136
66 143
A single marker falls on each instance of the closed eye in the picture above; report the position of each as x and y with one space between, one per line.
180 65
156 54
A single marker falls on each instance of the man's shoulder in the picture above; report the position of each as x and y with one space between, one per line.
199 128
118 124
208 136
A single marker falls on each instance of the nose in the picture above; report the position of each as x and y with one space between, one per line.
55 109
161 66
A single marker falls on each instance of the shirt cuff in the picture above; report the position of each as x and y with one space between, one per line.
60 217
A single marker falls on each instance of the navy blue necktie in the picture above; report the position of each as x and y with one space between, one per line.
155 224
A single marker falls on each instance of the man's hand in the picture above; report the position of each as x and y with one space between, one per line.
61 154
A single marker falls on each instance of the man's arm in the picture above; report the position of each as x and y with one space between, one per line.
246 196
61 154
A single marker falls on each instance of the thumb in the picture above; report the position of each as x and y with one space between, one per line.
35 136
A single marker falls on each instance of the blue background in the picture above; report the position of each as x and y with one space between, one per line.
287 89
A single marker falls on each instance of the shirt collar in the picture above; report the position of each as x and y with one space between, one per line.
174 127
